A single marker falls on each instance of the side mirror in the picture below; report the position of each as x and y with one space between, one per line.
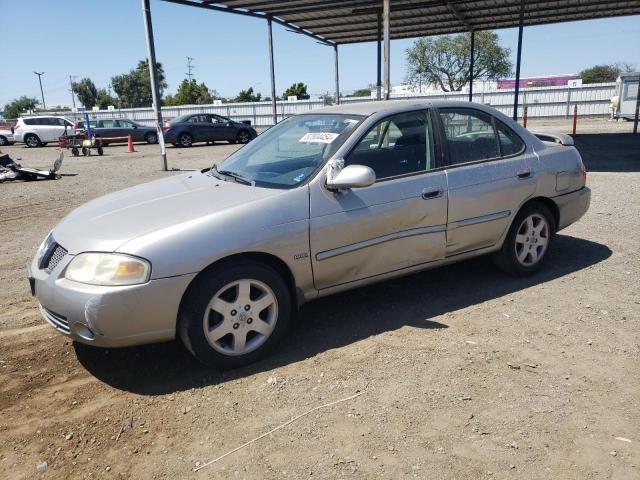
352 176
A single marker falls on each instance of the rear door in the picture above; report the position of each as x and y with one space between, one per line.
397 222
127 127
490 173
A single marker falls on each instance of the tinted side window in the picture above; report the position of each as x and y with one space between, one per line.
107 123
510 143
125 124
30 121
470 135
398 145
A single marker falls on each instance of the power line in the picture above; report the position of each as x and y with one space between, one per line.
190 67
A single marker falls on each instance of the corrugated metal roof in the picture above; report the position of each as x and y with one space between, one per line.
354 21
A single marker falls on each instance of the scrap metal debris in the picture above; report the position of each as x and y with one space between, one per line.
10 170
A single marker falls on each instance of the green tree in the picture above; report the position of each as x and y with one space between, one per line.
134 88
444 62
604 73
297 89
86 91
14 108
104 100
190 93
248 96
362 92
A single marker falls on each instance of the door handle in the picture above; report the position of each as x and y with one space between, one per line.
524 174
429 194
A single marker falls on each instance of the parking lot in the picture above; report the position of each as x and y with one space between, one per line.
465 373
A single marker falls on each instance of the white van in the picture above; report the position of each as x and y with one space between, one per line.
38 131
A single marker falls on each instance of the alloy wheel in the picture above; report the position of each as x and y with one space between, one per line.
532 239
243 137
185 140
240 317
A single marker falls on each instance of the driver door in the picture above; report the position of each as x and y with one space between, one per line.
396 223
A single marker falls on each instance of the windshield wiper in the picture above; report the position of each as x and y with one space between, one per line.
236 176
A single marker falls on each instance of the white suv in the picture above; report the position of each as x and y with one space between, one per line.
37 131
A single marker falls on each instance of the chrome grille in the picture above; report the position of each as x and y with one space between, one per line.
56 255
58 322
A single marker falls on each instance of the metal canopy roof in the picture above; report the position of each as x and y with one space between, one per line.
354 21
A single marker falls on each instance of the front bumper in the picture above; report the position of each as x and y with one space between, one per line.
572 206
108 316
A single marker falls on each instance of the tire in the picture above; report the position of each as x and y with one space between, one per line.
32 140
151 138
185 140
231 321
3 141
243 137
100 150
44 144
86 151
74 151
527 244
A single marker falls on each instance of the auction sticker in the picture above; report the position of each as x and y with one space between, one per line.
319 137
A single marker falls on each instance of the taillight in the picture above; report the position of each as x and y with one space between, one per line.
166 127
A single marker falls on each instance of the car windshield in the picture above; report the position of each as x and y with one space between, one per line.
291 151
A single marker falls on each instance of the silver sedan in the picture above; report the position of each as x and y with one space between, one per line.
322 202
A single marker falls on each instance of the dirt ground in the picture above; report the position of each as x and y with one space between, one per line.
465 373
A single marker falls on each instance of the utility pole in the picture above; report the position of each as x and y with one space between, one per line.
73 97
190 67
44 105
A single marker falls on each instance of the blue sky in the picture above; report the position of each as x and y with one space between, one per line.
102 38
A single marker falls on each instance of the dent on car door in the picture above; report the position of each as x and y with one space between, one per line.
490 174
397 222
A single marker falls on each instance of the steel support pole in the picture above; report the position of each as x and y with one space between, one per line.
387 45
153 74
635 118
379 59
273 74
473 41
518 59
335 51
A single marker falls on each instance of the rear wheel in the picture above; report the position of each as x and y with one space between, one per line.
527 244
74 151
3 141
185 140
32 140
151 138
235 315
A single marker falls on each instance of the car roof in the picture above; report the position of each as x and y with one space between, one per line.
43 116
394 106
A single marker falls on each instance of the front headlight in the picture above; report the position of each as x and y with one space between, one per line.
108 269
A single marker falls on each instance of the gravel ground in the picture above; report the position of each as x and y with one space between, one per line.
464 372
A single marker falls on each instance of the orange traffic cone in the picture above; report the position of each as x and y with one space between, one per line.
130 148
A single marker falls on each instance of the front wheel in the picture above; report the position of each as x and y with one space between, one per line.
527 244
243 136
32 141
236 315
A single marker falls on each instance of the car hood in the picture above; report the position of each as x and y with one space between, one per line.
108 222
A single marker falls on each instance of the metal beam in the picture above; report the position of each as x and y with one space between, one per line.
335 51
153 75
379 59
458 14
249 13
635 118
387 45
473 41
518 61
273 73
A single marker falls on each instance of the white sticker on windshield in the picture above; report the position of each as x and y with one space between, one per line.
319 137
